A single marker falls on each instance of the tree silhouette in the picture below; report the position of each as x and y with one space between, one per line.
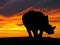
37 21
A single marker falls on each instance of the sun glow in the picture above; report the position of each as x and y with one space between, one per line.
13 26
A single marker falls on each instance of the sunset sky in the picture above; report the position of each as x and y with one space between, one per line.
11 12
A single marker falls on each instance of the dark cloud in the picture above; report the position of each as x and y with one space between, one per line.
15 6
2 2
19 24
49 4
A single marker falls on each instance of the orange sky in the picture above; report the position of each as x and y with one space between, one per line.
13 26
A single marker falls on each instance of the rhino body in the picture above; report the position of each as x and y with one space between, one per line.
37 21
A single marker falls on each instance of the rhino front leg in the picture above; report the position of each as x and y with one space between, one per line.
41 33
35 34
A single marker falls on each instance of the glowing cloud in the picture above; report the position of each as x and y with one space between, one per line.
15 26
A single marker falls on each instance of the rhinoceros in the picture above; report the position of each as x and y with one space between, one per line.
34 21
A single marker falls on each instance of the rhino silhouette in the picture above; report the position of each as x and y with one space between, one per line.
37 21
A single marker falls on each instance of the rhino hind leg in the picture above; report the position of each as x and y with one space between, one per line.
41 33
35 33
29 32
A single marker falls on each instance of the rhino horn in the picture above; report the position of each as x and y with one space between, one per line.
54 27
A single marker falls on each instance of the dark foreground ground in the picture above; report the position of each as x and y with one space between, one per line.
29 41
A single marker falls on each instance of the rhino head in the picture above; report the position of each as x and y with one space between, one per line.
50 30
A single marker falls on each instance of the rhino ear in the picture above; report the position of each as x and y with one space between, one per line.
46 15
